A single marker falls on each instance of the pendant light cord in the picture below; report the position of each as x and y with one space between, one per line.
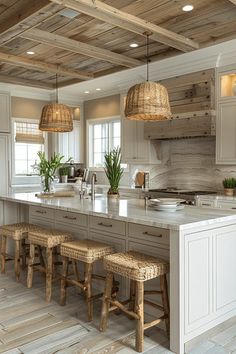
147 56
56 89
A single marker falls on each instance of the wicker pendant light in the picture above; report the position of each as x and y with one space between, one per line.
56 117
147 101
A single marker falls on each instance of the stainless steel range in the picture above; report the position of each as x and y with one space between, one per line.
188 195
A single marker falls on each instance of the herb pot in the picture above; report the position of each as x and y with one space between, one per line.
64 178
229 192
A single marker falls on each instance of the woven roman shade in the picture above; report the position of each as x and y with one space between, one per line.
56 117
147 101
28 133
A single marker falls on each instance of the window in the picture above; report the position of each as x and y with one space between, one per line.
69 143
104 135
27 141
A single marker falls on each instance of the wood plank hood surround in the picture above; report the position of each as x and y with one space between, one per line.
192 101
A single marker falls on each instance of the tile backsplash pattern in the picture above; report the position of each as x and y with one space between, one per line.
186 164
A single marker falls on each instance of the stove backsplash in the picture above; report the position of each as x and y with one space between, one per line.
186 164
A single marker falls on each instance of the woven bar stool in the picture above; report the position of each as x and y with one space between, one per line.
50 240
18 233
138 268
87 252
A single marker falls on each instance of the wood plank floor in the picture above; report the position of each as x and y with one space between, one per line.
31 326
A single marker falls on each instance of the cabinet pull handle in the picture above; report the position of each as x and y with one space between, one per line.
206 204
150 234
69 217
233 208
41 211
106 225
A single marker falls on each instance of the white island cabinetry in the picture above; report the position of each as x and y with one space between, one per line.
199 244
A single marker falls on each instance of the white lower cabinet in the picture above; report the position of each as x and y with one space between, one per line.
226 205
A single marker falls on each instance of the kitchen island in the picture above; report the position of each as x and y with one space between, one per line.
199 243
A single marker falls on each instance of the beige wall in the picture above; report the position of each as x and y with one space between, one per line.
26 107
102 107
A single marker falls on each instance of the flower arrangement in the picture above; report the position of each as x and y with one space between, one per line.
47 168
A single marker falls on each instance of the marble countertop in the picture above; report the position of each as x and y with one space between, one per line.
132 210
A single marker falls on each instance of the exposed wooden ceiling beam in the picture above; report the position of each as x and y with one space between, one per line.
36 11
72 45
44 67
233 1
25 82
107 13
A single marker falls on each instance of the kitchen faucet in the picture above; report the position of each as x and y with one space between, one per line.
93 180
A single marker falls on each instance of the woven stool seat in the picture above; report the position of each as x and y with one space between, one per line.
135 266
17 231
87 251
138 268
48 238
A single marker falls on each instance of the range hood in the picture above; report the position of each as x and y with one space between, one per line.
186 125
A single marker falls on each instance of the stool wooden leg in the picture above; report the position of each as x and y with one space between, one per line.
23 248
65 262
30 266
49 274
40 255
139 310
165 301
88 284
3 254
17 259
106 302
132 295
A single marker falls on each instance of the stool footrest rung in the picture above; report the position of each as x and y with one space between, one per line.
74 282
154 322
118 305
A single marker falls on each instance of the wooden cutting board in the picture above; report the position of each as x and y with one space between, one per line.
139 179
57 194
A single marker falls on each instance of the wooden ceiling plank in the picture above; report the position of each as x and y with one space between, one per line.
18 17
25 82
23 19
72 45
107 13
42 66
233 1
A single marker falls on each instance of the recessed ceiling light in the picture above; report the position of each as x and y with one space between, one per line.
98 89
187 8
86 91
133 45
30 52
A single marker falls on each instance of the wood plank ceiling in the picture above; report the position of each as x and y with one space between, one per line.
96 41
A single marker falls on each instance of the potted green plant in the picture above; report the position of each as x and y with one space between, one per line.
46 169
229 185
113 171
63 172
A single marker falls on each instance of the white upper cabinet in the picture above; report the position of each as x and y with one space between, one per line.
226 116
135 148
5 109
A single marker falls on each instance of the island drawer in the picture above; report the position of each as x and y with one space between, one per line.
68 217
108 225
41 212
148 233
